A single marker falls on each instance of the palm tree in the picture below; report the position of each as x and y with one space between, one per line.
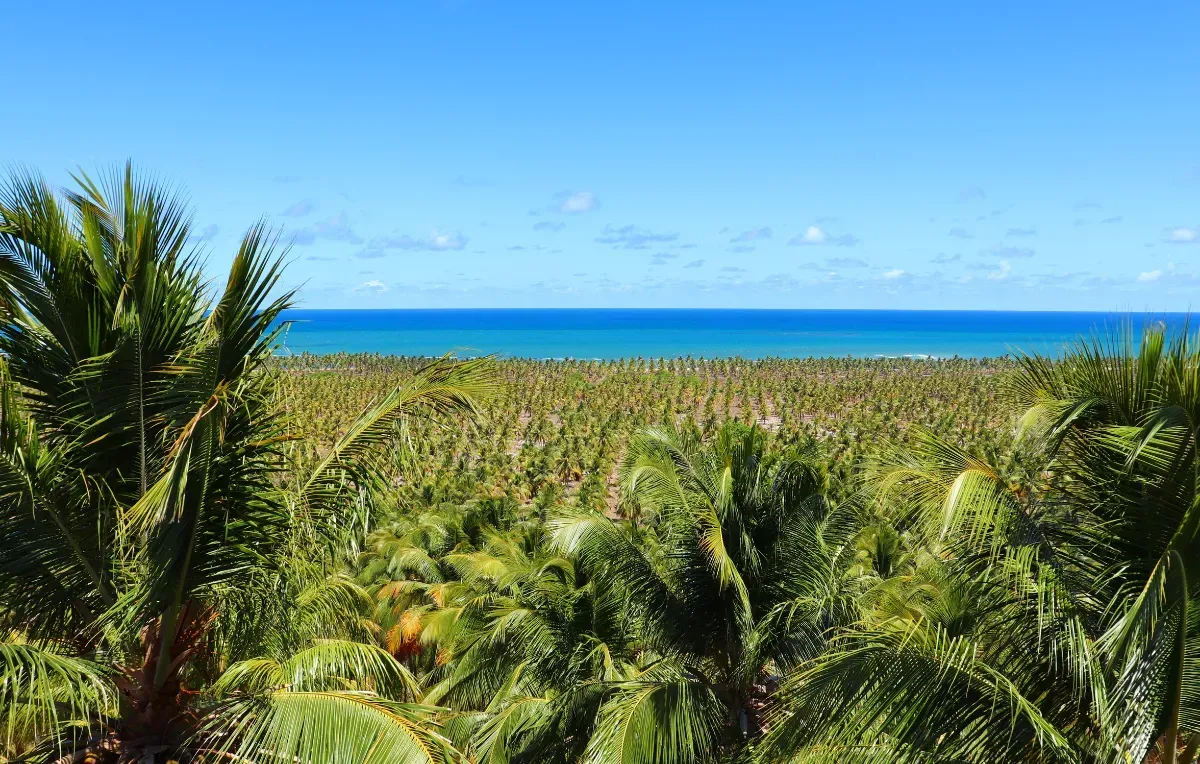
736 571
471 598
581 639
1052 616
167 588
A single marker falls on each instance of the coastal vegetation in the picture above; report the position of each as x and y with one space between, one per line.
214 551
555 429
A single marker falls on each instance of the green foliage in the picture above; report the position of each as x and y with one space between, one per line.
170 585
1001 586
213 552
1052 618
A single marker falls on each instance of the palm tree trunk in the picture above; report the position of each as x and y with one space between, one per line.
161 704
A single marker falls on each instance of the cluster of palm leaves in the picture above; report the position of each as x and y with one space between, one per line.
207 556
1046 613
169 587
565 636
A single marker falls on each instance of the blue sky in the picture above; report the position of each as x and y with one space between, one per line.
485 154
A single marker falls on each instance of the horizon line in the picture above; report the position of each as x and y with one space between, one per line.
1113 312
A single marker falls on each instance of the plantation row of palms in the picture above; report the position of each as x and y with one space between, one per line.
213 554
955 608
557 427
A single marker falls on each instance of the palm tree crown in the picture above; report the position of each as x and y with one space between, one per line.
1052 617
145 509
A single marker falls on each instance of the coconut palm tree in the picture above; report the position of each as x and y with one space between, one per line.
584 639
167 587
736 571
1053 615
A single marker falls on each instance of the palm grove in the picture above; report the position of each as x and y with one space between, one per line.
186 576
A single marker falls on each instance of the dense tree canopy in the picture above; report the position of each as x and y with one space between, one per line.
216 551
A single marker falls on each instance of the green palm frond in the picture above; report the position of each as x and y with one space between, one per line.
919 691
1147 648
328 665
331 606
619 565
500 734
52 574
335 727
667 722
442 388
45 694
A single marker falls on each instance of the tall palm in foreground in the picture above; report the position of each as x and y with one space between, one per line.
165 589
1055 616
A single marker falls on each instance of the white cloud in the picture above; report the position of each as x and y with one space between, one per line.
1147 276
436 241
1001 273
1183 235
580 201
893 274
815 236
452 240
374 285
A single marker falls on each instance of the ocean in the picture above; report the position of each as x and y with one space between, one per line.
622 333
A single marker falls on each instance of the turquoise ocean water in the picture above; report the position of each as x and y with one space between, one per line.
621 333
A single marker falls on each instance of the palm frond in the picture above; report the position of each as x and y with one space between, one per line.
45 694
442 388
343 727
665 722
919 691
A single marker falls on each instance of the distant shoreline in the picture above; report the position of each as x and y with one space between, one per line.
279 354
616 333
742 310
